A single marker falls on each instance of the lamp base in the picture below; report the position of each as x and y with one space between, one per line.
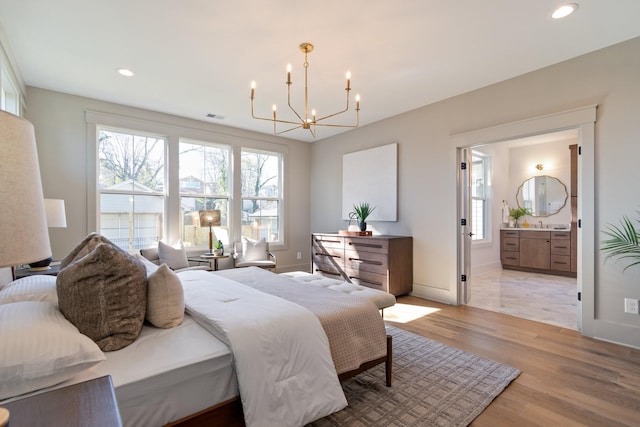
41 265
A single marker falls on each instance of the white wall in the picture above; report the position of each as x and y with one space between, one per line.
63 144
427 168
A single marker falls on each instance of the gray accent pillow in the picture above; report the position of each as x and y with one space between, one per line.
104 294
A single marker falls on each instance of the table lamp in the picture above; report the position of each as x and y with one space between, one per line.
210 218
23 224
56 218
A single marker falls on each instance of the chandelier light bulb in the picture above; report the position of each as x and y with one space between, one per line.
274 107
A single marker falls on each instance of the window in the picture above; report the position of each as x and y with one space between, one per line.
261 176
131 188
480 203
204 185
9 97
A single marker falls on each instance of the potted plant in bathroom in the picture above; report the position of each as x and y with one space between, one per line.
623 242
362 211
517 213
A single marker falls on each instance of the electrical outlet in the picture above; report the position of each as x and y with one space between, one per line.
631 306
299 255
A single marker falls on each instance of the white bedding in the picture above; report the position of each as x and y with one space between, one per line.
167 374
282 356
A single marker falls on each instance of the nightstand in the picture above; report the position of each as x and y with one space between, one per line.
51 271
89 404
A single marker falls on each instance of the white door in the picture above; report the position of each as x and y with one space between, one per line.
464 225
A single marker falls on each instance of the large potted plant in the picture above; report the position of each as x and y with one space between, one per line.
362 211
623 242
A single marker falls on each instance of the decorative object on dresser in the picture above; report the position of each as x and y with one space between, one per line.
363 210
23 225
517 213
210 218
379 262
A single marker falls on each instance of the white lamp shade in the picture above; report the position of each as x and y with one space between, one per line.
55 213
24 237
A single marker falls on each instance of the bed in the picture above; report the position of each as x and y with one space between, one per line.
186 375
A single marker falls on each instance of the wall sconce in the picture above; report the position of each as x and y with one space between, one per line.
539 166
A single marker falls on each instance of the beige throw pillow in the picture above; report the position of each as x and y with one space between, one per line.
174 256
104 294
165 298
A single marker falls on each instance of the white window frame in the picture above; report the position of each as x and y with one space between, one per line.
487 199
279 198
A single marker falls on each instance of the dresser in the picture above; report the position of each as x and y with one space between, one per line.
537 251
380 262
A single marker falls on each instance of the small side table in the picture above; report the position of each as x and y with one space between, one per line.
53 270
208 258
88 404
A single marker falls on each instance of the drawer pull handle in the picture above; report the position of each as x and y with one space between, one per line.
365 261
366 245
365 281
327 272
560 247
560 262
329 255
327 241
511 258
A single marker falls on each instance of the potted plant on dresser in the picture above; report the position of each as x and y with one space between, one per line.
362 211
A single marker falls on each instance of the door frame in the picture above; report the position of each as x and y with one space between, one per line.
583 120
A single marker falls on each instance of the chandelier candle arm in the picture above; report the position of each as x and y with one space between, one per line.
306 122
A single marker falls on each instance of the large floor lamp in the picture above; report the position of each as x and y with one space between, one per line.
23 222
210 218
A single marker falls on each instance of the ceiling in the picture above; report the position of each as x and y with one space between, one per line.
196 57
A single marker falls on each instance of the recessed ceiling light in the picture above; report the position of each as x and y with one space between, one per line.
564 10
125 72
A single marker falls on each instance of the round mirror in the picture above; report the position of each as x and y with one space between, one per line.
543 195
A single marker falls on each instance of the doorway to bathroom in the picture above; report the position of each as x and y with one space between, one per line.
479 259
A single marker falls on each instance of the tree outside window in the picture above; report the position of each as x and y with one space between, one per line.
131 188
261 195
204 185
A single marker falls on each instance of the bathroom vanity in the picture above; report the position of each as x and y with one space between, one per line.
537 250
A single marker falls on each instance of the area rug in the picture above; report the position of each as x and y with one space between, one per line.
433 385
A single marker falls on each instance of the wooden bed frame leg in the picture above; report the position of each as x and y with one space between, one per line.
388 362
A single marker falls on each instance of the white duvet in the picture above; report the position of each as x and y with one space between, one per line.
282 357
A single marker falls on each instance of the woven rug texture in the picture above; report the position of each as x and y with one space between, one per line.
433 385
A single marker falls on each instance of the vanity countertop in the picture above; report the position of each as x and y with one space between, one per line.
537 228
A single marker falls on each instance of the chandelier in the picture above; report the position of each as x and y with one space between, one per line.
308 120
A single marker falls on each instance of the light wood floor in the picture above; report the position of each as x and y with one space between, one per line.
566 379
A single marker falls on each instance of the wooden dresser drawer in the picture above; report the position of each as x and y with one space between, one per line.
368 279
328 241
511 258
560 247
366 244
366 261
509 233
561 235
511 244
561 262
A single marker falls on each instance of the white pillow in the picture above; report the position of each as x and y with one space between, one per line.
174 256
254 250
31 288
165 298
151 267
40 348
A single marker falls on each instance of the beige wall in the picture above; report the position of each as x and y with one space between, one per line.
63 147
427 169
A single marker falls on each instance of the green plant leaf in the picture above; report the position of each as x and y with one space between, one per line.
623 242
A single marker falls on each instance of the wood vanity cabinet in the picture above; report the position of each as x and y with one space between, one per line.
537 251
384 263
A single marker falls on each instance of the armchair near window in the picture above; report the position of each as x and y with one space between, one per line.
175 258
253 253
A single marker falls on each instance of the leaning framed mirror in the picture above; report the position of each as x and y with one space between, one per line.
543 195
